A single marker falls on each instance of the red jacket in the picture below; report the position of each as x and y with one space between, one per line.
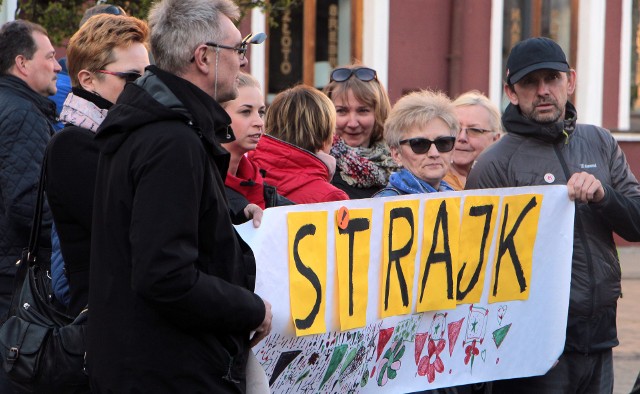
298 174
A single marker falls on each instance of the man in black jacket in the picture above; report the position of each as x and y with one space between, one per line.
544 146
171 282
28 71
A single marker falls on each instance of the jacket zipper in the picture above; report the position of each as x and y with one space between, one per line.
583 239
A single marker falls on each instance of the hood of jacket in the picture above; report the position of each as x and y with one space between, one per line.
20 88
514 122
159 96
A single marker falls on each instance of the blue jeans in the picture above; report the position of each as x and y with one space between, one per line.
574 373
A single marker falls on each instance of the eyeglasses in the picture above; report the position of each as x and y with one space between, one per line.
364 74
129 76
476 131
241 49
251 38
421 145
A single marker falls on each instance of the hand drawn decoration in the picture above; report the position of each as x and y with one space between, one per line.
476 326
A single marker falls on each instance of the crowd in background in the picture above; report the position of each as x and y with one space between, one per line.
150 163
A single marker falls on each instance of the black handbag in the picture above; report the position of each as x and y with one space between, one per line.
42 348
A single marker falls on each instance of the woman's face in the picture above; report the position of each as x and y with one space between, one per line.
431 166
133 58
354 121
471 143
247 113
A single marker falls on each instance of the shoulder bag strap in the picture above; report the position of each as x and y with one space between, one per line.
32 251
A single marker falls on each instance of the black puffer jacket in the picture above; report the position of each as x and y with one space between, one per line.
534 154
171 282
25 129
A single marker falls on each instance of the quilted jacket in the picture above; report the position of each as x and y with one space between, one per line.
25 128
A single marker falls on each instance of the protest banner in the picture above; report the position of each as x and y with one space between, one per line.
400 294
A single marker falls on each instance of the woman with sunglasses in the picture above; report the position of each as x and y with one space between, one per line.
244 183
480 126
299 128
107 52
421 132
363 160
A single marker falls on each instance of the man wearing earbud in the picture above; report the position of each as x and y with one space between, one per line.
545 146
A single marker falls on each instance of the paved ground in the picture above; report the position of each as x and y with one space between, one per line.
626 357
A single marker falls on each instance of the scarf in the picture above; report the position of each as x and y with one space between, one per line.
408 183
81 112
363 167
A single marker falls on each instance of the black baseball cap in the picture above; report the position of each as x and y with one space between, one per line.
534 54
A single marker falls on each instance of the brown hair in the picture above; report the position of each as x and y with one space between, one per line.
370 93
302 116
91 48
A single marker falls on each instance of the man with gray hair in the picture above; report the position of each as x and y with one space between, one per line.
28 72
171 282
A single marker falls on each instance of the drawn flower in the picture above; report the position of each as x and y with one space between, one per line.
432 363
471 351
391 363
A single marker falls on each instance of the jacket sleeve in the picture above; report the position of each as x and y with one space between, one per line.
168 268
621 204
487 173
24 137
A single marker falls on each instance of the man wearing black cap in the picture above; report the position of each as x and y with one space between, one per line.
544 146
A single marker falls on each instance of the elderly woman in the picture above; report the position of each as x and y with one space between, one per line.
480 126
421 132
107 52
244 183
294 151
363 159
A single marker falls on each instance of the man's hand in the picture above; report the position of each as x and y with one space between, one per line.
252 211
265 328
584 187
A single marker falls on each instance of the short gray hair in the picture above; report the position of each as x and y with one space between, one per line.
179 26
416 110
474 97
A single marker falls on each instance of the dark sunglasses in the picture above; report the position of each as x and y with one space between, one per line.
129 76
421 145
363 73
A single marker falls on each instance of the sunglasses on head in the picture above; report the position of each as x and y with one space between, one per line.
421 145
364 74
130 76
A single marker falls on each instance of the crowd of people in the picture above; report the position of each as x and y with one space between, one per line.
166 144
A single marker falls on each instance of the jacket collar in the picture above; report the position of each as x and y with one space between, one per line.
514 122
408 183
186 98
20 88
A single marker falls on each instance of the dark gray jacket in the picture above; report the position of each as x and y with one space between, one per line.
531 152
25 128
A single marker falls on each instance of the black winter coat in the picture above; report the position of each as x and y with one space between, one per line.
171 282
25 128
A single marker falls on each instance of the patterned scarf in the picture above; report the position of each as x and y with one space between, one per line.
363 167
82 113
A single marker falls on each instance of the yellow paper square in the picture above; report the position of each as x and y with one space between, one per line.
307 233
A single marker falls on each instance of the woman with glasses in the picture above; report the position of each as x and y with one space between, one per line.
299 128
244 183
363 160
421 132
107 52
480 126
